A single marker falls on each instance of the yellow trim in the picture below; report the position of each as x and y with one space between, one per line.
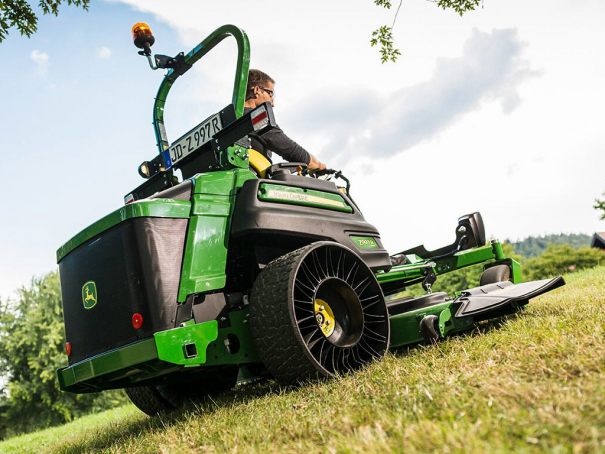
258 162
325 317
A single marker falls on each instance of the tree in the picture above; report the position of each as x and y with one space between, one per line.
384 34
31 349
19 13
600 206
534 246
561 259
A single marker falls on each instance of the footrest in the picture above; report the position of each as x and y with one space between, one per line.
497 296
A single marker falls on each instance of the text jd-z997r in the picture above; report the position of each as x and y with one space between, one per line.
247 269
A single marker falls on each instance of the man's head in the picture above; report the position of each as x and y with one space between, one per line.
260 88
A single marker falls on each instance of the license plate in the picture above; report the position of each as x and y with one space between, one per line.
193 140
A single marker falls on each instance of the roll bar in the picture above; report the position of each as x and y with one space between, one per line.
239 84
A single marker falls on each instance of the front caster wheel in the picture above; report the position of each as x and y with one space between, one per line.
316 312
498 273
429 328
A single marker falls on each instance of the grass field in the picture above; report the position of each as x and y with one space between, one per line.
530 383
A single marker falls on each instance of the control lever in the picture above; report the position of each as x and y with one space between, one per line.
286 166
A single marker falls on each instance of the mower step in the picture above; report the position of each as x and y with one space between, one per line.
495 297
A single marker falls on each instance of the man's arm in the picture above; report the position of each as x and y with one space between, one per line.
278 142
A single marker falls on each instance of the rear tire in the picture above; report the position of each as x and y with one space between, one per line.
317 312
149 400
164 398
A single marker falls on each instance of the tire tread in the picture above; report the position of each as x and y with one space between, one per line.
273 331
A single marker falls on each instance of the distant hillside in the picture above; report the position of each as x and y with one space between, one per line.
534 246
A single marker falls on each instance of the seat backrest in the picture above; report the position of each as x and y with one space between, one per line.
258 163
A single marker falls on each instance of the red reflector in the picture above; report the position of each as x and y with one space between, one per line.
137 321
68 348
260 117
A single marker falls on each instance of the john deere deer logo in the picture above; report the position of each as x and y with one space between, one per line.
89 295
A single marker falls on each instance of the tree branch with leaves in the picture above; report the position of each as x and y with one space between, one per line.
599 205
19 14
383 36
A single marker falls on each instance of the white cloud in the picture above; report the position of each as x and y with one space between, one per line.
512 169
490 69
42 61
103 53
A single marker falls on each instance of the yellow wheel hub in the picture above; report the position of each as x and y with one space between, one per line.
324 317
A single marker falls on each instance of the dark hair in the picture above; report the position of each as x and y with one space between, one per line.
257 78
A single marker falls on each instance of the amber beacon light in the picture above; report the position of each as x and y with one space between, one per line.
142 36
144 39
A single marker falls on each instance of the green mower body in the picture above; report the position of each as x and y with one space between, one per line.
233 274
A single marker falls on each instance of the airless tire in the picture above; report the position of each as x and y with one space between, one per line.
318 312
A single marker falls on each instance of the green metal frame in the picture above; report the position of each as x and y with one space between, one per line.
404 274
239 85
207 234
172 345
405 328
162 354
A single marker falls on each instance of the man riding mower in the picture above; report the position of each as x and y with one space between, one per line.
245 269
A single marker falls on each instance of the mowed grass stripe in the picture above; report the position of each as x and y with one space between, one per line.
528 383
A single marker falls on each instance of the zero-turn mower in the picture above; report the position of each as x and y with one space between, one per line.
247 269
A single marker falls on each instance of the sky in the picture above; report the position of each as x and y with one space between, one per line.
500 111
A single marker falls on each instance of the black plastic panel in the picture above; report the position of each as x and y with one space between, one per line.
491 297
287 226
407 304
136 266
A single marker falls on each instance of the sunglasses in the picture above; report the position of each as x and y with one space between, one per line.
271 93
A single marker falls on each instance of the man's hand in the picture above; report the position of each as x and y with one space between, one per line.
315 164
